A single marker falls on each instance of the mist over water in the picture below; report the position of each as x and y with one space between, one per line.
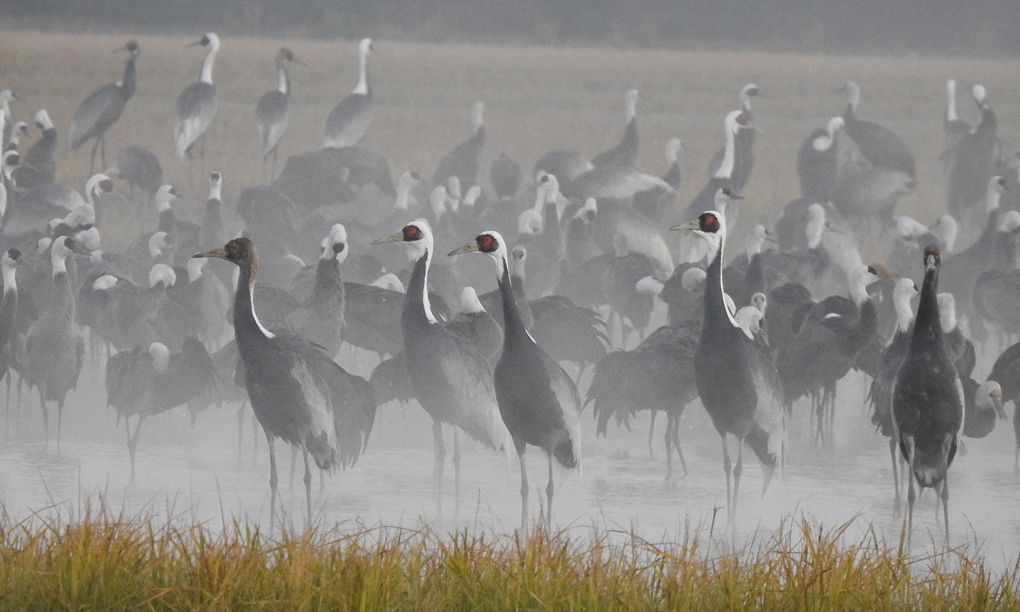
198 475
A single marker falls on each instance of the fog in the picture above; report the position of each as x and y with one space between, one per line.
831 26
217 470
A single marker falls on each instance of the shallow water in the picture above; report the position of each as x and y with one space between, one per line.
201 475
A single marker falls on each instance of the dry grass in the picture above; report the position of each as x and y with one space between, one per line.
537 99
98 561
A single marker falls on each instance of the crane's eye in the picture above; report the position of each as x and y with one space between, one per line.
412 232
708 222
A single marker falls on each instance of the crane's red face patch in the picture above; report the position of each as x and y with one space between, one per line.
487 243
708 222
412 232
338 247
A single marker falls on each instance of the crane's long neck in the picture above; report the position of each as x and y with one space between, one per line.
904 314
927 325
10 281
246 323
329 287
717 313
417 310
951 101
129 80
284 86
362 87
514 329
725 170
207 64
9 307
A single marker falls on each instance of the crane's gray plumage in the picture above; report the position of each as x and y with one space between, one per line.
735 377
927 398
537 399
96 113
451 379
624 153
880 146
462 160
272 113
297 392
38 167
54 344
350 119
140 168
197 105
149 380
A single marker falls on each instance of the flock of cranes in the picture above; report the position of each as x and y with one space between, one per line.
515 365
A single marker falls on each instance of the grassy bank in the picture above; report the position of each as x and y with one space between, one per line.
98 561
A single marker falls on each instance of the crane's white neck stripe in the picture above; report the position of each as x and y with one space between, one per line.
425 289
265 332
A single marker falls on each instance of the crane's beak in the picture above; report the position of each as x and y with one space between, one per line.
467 248
690 225
222 254
771 237
397 237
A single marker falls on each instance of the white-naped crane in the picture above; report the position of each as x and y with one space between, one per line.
452 380
927 399
656 376
350 119
625 152
272 113
829 338
462 160
38 166
734 375
8 312
54 344
149 380
818 162
197 105
102 108
297 392
880 393
876 143
537 399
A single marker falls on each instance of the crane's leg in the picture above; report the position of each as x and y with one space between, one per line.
524 488
651 431
45 414
669 448
737 469
893 455
133 440
92 156
102 151
944 488
911 495
60 418
308 489
549 496
293 462
676 442
727 468
271 439
240 432
456 472
439 451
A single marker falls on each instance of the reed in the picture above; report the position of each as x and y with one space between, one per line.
98 560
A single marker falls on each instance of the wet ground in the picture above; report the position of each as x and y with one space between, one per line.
200 474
